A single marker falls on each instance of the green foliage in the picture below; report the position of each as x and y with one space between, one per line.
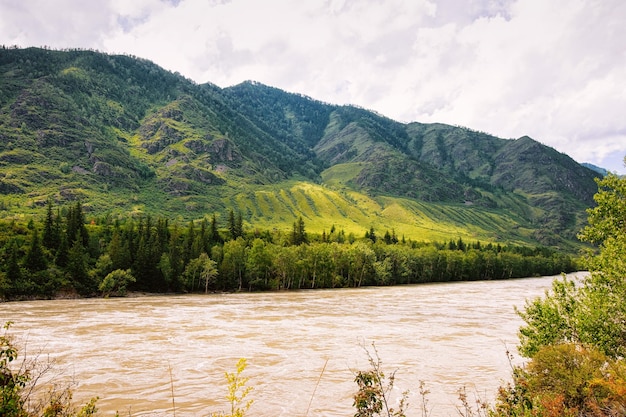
565 380
235 225
549 320
237 392
77 269
88 409
134 139
374 390
298 235
11 402
201 269
51 231
35 259
116 282
575 336
234 263
607 219
591 312
76 230
259 264
17 385
161 256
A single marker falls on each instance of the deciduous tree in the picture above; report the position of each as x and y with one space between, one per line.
591 312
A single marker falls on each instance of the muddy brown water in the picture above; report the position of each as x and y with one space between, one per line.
303 348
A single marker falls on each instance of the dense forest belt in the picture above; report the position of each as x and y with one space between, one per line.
61 253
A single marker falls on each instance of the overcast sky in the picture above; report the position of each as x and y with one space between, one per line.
554 70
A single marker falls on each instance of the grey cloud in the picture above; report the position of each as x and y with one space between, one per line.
550 69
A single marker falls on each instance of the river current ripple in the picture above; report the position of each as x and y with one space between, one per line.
134 352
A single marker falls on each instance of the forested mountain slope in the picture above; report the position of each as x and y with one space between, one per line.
125 136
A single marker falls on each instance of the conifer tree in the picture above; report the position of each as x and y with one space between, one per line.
51 233
175 259
146 264
232 228
163 233
76 228
77 269
13 272
118 251
239 225
235 225
188 249
214 234
371 235
298 236
35 260
62 256
202 240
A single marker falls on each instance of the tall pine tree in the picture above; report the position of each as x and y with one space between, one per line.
35 259
77 269
215 237
76 229
51 232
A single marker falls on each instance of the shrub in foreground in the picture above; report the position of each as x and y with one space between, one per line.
565 380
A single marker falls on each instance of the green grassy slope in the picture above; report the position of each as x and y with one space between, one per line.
323 207
127 137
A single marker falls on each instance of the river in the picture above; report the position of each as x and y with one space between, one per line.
303 347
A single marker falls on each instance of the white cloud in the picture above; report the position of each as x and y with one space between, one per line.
59 24
553 70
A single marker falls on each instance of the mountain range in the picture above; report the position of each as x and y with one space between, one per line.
126 137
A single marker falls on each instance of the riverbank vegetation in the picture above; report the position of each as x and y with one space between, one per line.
573 338
29 388
62 253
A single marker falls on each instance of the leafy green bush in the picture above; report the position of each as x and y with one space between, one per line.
591 312
575 336
373 397
116 282
13 382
